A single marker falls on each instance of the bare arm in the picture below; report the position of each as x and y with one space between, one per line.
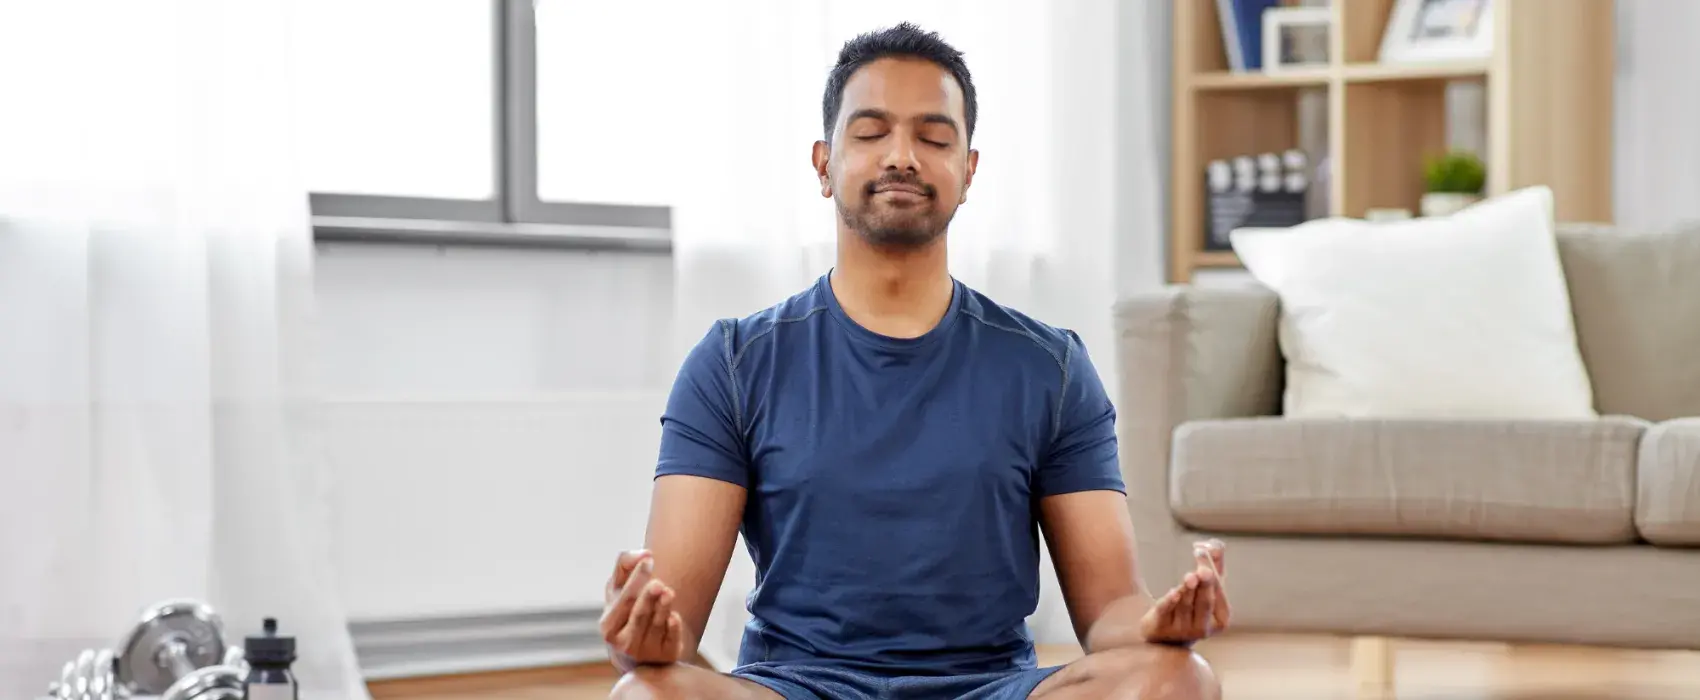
693 525
1090 537
660 598
1084 514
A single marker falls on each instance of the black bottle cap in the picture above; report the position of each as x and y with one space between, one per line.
270 649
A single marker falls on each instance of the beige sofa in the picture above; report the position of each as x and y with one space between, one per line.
1546 531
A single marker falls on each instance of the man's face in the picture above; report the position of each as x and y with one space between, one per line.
899 163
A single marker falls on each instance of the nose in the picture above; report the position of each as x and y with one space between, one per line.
900 155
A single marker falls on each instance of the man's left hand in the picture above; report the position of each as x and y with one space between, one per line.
1195 609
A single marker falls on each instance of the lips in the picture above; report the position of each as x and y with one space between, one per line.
907 189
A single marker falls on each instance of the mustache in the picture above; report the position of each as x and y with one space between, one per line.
898 179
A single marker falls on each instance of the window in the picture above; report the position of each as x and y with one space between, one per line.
409 114
610 120
421 120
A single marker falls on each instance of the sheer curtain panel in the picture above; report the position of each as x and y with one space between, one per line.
157 420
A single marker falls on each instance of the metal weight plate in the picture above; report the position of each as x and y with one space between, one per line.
205 683
103 678
67 681
236 656
84 671
144 667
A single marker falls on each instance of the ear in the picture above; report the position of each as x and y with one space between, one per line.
821 157
968 179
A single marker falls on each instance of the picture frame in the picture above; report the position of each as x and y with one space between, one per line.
1427 31
1296 38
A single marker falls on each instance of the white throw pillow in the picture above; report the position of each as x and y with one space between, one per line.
1461 316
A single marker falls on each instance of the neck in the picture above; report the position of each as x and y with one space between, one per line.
900 293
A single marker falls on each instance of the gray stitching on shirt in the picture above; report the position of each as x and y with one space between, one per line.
739 357
1062 394
1062 362
732 376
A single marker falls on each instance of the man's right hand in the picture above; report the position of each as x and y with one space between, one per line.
638 620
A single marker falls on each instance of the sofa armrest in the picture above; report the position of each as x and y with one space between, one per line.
1186 353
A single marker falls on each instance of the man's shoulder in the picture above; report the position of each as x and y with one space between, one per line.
741 333
1022 330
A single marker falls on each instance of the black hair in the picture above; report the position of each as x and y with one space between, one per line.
904 40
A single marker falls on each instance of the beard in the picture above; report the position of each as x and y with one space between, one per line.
885 226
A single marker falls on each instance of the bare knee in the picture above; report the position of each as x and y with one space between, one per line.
684 682
1153 672
1180 674
651 683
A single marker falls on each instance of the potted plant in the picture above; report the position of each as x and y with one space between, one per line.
1454 180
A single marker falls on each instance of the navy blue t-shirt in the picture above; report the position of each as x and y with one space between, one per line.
893 483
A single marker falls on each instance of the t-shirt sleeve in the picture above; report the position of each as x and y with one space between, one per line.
701 426
1082 454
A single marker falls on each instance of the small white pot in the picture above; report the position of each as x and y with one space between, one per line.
1444 203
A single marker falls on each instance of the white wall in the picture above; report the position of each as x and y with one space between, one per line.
514 394
1657 163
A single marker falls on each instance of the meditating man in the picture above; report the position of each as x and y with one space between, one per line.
891 443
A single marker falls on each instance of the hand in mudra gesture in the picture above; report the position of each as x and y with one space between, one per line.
1195 609
638 620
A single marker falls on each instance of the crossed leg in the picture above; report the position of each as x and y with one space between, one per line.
1150 672
686 682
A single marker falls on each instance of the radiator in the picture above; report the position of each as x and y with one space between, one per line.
435 646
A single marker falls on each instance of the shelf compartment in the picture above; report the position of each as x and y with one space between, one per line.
1233 124
1390 130
1225 124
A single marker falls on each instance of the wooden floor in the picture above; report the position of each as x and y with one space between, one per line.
1264 667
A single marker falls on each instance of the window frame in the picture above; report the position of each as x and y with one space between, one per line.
515 215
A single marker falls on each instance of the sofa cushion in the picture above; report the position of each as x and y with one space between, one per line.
1667 510
1459 316
1561 481
1637 303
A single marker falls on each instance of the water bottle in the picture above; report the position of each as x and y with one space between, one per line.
269 658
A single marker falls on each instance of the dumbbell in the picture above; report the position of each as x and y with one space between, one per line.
208 683
172 640
178 651
89 677
93 676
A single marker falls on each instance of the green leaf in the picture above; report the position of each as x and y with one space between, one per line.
1458 171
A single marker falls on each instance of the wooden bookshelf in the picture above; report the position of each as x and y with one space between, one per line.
1548 88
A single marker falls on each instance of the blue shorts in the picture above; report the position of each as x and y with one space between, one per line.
804 681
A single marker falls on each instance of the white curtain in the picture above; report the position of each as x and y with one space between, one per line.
1037 232
1657 145
157 430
